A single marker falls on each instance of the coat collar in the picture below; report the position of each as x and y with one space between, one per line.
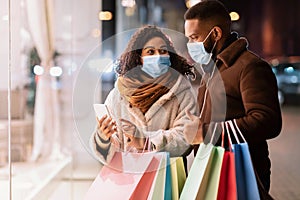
233 47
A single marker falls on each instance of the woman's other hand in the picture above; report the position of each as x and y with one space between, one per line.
135 138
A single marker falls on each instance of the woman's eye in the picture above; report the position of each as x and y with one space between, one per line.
151 52
163 51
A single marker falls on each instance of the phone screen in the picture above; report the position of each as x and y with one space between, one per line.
101 110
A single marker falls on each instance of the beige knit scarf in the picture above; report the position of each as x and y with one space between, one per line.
142 91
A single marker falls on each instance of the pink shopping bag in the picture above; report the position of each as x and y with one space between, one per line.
128 176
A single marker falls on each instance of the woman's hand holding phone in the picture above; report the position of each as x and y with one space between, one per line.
106 127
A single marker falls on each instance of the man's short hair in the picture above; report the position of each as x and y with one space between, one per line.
212 11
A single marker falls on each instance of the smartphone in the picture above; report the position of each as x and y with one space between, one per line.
101 110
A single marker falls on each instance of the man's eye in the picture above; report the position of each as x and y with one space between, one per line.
194 38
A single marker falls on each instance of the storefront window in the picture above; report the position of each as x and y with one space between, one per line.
44 46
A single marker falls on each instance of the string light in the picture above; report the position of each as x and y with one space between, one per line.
105 15
56 71
234 16
128 3
190 3
38 70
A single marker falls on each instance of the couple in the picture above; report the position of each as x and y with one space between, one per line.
154 103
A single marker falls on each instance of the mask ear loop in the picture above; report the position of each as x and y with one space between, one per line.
208 35
206 90
207 83
214 46
214 43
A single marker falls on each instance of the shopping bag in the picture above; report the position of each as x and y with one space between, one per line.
209 187
203 178
143 188
168 186
196 173
125 174
247 188
178 176
227 185
161 180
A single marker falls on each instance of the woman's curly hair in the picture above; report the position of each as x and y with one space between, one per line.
132 55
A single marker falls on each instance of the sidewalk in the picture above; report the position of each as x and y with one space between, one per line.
285 157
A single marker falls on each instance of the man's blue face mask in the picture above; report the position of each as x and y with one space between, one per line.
198 52
156 65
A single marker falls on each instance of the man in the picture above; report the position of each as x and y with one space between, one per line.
249 93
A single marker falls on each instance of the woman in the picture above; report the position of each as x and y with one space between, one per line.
149 102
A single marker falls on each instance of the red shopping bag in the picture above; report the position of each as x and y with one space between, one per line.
227 185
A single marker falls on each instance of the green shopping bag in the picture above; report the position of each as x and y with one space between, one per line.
178 176
210 183
203 178
196 173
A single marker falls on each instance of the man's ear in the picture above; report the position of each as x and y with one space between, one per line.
217 33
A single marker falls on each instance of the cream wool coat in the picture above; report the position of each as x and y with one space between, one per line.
163 123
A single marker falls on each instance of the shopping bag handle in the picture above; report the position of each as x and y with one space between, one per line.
233 129
237 128
214 132
228 134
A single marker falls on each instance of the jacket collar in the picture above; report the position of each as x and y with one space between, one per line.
233 47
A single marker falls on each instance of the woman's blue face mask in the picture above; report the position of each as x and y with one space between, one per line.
156 65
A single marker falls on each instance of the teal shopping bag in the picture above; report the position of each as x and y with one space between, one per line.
168 185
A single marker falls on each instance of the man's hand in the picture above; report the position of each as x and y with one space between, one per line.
193 130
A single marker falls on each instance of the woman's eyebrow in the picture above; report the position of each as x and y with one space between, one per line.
152 47
149 47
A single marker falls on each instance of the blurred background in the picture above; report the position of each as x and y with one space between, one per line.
53 52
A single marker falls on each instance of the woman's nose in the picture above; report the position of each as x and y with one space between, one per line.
156 52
